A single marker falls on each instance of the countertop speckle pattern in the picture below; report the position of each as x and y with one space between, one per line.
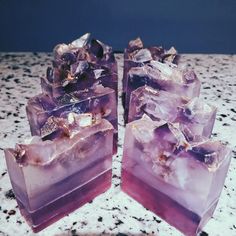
113 213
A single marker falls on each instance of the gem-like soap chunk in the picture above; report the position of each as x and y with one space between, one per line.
162 76
179 181
136 55
80 65
99 101
195 117
54 176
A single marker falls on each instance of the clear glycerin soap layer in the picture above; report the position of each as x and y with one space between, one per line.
179 181
55 176
195 117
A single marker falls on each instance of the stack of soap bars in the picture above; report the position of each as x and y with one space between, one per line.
170 165
73 121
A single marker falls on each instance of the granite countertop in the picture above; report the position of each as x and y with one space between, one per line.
113 213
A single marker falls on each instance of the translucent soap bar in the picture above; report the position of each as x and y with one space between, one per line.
80 65
195 117
136 55
179 181
54 176
99 101
167 77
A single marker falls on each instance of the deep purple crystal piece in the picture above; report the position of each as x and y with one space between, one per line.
195 117
80 65
179 181
53 177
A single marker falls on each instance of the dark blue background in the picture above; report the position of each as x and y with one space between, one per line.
191 26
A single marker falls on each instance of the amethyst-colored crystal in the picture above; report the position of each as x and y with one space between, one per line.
195 117
80 65
136 55
162 76
54 176
99 101
179 181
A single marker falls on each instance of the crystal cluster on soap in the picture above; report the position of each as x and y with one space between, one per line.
178 180
162 76
195 117
53 175
158 68
79 65
136 55
98 100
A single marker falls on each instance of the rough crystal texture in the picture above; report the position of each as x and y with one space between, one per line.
179 181
162 76
97 100
54 176
80 65
195 117
137 55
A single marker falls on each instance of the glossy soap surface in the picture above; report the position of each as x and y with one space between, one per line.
54 176
179 181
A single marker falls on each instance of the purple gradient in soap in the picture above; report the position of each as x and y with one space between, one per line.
178 181
98 100
53 177
80 65
160 76
196 118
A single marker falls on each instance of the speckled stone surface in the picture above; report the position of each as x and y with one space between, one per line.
113 213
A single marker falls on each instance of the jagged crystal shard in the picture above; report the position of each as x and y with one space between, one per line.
179 181
76 66
97 100
55 176
195 117
167 77
136 55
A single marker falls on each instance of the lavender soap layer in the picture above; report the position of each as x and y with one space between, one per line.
53 177
195 117
179 181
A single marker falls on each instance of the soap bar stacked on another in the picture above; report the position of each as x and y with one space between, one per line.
69 162
179 181
170 165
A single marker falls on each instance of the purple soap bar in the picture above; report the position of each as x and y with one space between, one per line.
54 176
97 100
136 55
80 65
195 117
179 181
162 76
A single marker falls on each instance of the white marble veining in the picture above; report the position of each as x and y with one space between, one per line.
113 213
